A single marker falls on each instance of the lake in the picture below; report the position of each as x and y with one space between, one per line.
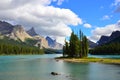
39 67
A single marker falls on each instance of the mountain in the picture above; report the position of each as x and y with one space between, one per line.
103 40
32 32
115 40
91 44
53 44
5 28
41 41
107 39
114 35
18 32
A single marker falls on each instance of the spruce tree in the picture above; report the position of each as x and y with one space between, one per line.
77 47
64 51
84 46
72 48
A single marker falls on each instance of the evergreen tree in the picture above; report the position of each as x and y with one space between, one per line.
72 47
107 49
8 47
66 49
80 43
77 47
85 46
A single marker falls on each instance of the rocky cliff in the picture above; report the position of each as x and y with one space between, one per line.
53 44
41 41
18 32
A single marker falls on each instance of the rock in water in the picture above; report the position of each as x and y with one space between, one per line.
54 73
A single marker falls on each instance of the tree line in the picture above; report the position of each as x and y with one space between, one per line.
8 47
77 46
107 49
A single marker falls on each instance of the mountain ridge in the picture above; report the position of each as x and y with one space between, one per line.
108 39
17 32
5 28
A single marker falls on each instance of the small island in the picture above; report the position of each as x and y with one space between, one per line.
77 51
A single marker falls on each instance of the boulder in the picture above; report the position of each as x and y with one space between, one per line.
54 73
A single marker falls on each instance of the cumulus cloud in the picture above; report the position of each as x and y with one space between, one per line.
10 4
47 20
86 25
106 30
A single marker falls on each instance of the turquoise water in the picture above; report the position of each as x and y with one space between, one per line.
105 56
39 67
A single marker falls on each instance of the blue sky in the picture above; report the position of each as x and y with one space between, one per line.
97 13
92 12
57 18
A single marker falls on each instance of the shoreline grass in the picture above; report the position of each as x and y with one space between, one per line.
91 59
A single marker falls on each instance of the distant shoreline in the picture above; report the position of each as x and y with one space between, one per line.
87 60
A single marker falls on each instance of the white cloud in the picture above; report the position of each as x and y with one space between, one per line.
86 25
106 17
10 4
107 30
47 20
60 2
60 39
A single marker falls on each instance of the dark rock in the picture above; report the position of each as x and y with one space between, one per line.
54 73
